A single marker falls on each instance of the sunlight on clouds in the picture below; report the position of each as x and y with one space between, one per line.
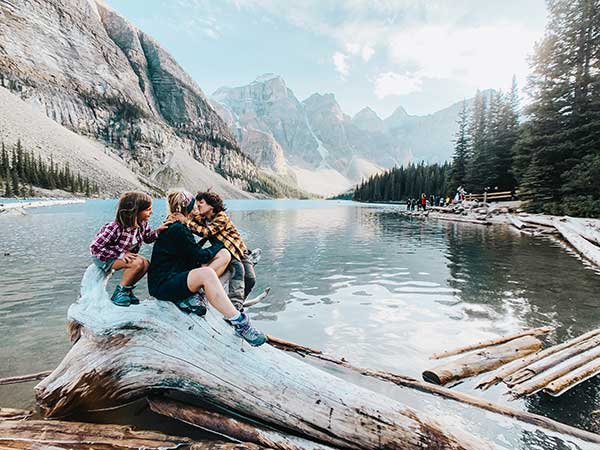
391 83
340 61
480 56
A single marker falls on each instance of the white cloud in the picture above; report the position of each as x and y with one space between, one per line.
390 83
366 53
485 56
340 61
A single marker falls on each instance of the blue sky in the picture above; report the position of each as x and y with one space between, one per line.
421 55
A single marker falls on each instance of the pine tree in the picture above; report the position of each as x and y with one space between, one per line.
476 175
461 148
557 152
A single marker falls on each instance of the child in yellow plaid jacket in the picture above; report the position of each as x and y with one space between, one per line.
213 224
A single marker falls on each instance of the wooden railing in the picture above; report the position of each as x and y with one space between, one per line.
492 196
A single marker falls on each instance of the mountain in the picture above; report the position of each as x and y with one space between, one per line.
315 144
310 144
88 69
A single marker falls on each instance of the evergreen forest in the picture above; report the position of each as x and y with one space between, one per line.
549 150
20 171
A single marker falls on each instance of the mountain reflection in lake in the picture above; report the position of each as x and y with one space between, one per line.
357 281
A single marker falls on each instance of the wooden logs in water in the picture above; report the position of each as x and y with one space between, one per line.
506 371
567 381
491 342
126 353
483 360
539 366
554 372
461 397
588 250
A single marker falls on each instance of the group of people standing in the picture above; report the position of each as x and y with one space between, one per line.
180 269
422 202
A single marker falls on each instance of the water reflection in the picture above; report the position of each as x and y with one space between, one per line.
366 283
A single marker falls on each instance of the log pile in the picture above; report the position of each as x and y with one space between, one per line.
522 365
554 370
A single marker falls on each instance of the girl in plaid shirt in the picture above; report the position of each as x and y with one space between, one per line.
117 244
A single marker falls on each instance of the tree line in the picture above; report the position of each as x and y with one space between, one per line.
401 183
552 154
21 170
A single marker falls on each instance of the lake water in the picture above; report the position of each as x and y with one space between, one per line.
358 281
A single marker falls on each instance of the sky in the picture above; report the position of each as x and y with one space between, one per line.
422 55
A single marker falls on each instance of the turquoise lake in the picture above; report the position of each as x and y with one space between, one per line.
359 281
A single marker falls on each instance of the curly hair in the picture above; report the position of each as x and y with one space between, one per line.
213 199
130 205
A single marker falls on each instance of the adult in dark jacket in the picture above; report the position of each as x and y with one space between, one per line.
175 272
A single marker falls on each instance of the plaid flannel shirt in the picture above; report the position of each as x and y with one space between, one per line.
112 241
221 228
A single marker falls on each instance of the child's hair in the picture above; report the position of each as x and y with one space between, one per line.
213 199
130 205
178 201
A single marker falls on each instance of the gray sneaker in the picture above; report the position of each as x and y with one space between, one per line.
250 334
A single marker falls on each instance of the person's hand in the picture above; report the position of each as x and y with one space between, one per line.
162 227
129 257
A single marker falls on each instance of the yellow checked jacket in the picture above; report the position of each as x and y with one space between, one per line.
220 227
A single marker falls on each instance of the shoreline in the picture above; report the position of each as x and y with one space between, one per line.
18 207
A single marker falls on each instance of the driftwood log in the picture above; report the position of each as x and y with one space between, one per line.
120 354
492 342
55 434
482 360
539 382
233 429
579 375
25 378
506 371
552 360
14 414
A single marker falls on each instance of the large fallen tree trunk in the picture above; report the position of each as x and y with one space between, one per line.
126 353
483 360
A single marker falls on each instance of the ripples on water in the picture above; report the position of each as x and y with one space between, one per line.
362 282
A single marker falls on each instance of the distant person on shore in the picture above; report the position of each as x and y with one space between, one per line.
175 272
424 201
408 202
117 244
213 224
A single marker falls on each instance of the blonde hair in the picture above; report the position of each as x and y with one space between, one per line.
178 200
130 205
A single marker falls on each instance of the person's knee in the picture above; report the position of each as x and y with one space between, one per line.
139 263
224 255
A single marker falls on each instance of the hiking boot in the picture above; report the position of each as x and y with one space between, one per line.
121 297
250 334
192 305
196 303
133 299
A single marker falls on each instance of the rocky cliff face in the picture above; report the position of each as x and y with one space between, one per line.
316 137
93 72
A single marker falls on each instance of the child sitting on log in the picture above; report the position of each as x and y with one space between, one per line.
212 223
116 245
